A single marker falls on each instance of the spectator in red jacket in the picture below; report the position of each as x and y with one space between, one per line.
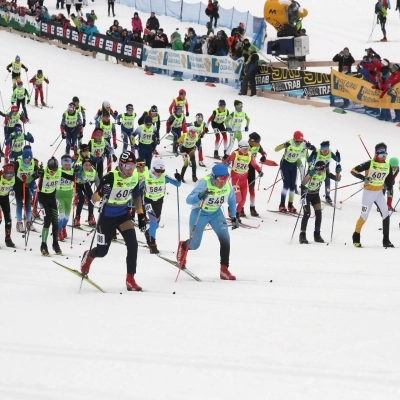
387 84
137 23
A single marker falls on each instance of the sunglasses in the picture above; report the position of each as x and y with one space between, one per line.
140 164
221 178
222 106
159 171
129 167
9 175
239 106
382 155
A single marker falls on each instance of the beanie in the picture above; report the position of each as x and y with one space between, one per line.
220 170
27 153
148 119
380 148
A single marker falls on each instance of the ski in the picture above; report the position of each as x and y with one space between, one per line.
214 158
184 269
82 229
270 163
332 205
286 213
243 225
38 106
84 277
47 106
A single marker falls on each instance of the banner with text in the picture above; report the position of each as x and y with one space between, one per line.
361 91
305 83
24 23
130 51
197 64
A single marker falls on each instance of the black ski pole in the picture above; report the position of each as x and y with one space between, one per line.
55 140
90 248
303 199
334 203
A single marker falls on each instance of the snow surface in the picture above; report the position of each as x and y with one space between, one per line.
301 322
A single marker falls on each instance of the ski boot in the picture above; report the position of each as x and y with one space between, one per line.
238 218
386 242
194 178
253 212
328 199
44 250
201 163
153 246
30 226
383 40
64 232
147 236
60 236
356 239
291 209
282 208
91 220
318 238
36 103
86 262
77 221
225 275
20 227
131 285
9 242
303 238
57 249
181 253
242 213
43 104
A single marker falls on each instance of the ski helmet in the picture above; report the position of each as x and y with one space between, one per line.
255 137
154 110
40 72
8 169
396 67
52 164
14 109
129 107
178 110
106 104
192 130
17 58
298 136
75 99
381 148
19 82
319 165
18 128
243 144
127 157
394 162
148 120
158 165
27 154
84 147
182 91
199 116
222 103
71 107
219 170
238 103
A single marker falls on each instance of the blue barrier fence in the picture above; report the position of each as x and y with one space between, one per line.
196 13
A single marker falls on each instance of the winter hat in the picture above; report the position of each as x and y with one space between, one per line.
84 147
381 148
396 67
255 137
377 56
220 170
27 153
148 120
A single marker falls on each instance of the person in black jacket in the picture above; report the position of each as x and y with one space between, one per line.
344 57
250 69
152 23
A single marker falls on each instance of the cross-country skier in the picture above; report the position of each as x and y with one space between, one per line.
147 136
201 129
310 197
37 82
105 108
7 180
378 174
394 165
154 185
82 111
116 189
12 118
181 101
206 199
16 66
187 144
155 116
109 132
293 150
217 120
20 95
176 124
16 142
126 121
71 126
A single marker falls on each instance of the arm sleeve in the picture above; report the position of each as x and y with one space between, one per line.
171 107
313 157
248 120
281 146
193 197
389 180
211 118
254 164
230 159
356 171
172 181
232 199
187 106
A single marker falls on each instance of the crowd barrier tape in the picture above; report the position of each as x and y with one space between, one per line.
197 64
360 91
24 23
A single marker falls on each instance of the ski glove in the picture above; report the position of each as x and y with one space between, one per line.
260 174
158 142
263 159
338 169
84 123
63 135
311 172
205 130
187 114
119 123
246 129
203 195
337 154
178 176
77 168
142 222
235 223
28 101
114 157
115 145
367 180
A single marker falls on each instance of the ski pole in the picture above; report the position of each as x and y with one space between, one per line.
258 187
90 248
27 79
57 147
364 146
1 97
372 31
7 76
55 140
179 214
24 205
251 183
191 234
341 187
73 210
303 199
341 202
394 208
47 93
273 184
334 204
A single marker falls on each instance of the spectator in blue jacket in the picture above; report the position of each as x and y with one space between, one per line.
250 70
89 28
195 47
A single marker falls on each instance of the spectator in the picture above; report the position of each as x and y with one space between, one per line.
58 4
245 49
137 23
160 40
344 58
250 69
111 5
115 23
78 7
152 23
176 45
381 13
137 39
212 11
76 21
195 46
68 4
302 32
232 42
149 38
89 28
210 28
237 51
91 16
239 30
219 46
390 82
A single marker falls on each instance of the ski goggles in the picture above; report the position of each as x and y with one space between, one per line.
66 161
140 164
159 171
9 175
27 161
129 167
222 178
240 106
129 108
382 155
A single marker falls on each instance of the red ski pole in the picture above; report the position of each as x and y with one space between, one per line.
364 146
